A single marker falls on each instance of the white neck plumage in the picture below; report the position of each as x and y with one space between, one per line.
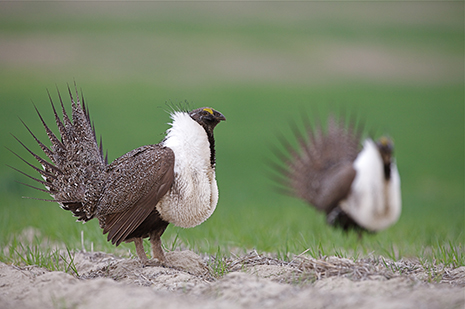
188 140
374 202
194 194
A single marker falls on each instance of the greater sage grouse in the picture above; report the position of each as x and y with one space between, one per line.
357 187
141 192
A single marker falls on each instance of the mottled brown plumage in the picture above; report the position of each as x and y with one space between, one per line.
135 183
122 195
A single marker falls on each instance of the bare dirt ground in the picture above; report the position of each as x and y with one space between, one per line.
251 281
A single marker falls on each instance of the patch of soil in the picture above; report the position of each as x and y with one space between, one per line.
252 281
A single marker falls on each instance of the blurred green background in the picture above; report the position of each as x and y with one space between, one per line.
398 65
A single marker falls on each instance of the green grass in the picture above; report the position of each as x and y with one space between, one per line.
261 71
54 259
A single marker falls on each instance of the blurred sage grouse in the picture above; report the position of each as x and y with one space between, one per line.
357 187
141 192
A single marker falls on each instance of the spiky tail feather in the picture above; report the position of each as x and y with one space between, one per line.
76 174
303 167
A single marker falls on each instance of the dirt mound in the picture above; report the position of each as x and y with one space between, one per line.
253 280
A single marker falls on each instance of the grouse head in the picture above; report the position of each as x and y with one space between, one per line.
386 148
207 117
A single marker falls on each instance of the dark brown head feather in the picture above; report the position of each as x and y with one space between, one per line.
208 118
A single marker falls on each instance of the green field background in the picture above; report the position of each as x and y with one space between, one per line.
399 66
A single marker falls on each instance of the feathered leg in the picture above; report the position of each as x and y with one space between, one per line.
140 250
155 241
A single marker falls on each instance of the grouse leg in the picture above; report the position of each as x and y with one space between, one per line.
140 250
155 241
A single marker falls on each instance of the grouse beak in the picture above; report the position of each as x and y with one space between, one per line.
219 116
207 117
216 115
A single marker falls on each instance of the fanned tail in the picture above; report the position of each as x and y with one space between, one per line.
76 173
319 151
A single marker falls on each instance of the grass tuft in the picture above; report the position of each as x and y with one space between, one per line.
43 256
218 264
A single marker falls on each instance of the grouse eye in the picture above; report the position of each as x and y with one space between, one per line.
207 116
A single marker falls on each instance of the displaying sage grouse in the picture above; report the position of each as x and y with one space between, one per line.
141 192
358 188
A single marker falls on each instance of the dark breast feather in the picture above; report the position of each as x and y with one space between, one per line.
337 217
153 222
137 182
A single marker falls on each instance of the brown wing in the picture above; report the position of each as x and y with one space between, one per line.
137 181
335 186
320 170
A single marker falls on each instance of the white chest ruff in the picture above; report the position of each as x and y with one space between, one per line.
193 197
373 203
